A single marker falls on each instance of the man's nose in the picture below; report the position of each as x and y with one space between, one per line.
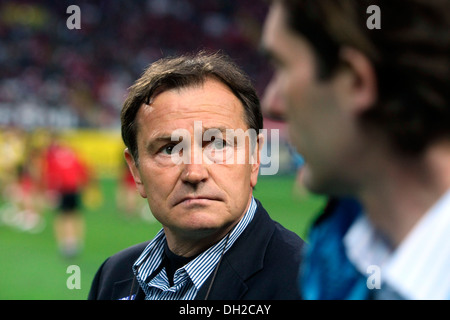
194 169
271 104
194 173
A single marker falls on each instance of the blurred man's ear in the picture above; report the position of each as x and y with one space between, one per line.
363 82
135 172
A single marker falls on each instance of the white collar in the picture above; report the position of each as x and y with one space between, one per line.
419 268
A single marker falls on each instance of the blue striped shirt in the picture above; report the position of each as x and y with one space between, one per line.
189 278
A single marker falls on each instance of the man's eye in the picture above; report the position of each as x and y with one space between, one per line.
167 149
219 144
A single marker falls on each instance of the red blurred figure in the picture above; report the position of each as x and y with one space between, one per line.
65 177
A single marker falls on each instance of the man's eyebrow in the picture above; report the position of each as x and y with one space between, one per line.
269 55
264 51
221 129
157 140
160 138
166 137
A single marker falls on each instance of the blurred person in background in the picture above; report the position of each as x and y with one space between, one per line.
12 148
368 108
66 176
21 204
27 190
217 240
12 180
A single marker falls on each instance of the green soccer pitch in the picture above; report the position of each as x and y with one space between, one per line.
31 267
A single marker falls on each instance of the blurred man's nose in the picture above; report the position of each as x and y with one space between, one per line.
271 104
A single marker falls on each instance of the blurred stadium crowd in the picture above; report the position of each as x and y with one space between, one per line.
53 79
53 76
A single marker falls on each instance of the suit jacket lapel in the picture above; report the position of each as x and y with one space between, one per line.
122 290
242 260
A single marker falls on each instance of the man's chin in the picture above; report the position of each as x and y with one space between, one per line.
199 219
312 182
322 184
200 231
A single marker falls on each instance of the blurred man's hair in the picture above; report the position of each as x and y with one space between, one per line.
410 55
185 71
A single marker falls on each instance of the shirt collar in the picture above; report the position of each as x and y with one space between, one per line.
199 268
418 267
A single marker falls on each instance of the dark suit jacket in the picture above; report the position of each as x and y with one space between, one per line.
262 264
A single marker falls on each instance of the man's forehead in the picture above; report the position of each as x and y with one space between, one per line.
215 106
272 25
277 34
197 125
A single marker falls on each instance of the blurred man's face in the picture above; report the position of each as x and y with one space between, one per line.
319 126
192 200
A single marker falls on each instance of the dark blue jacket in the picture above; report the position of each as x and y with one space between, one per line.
262 264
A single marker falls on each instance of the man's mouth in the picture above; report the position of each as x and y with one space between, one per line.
196 200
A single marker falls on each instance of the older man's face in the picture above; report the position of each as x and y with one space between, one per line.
198 197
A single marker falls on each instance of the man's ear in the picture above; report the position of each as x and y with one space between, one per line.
256 159
135 172
362 85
